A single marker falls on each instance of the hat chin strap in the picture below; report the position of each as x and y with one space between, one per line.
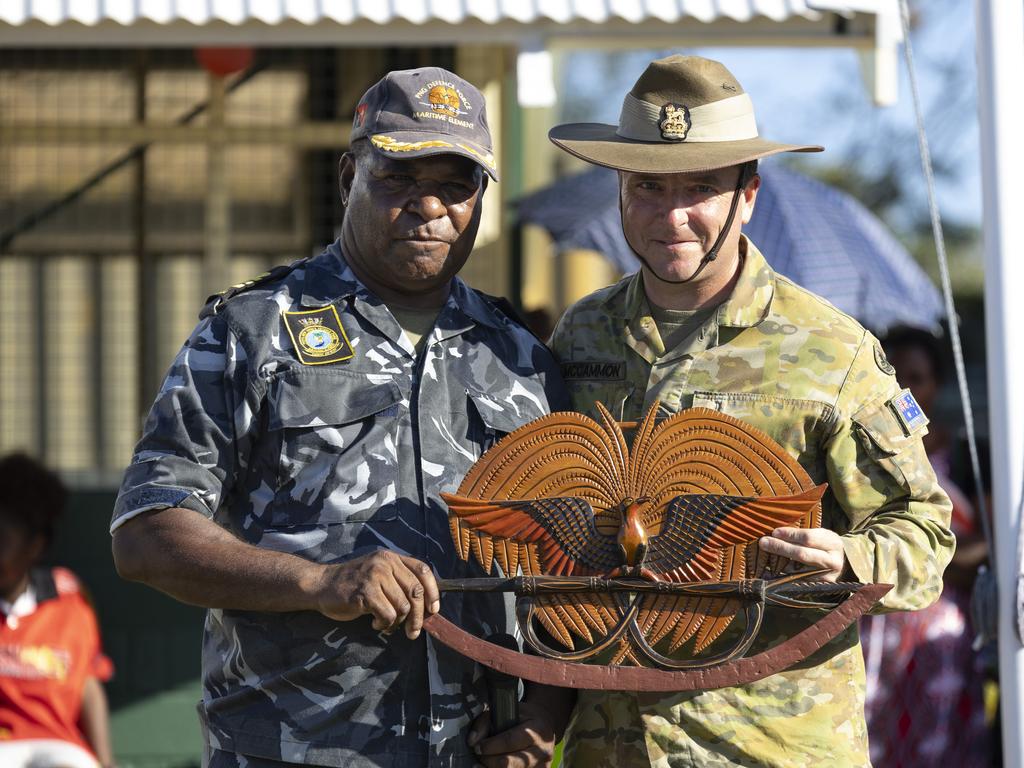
712 254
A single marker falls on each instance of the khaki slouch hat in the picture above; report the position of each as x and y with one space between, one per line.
685 114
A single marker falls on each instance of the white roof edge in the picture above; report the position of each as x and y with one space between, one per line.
796 31
855 6
427 15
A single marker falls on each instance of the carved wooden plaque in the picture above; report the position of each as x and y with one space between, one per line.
645 531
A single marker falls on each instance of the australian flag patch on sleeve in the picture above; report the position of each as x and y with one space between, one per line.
908 412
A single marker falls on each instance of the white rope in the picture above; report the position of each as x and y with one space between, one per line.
947 289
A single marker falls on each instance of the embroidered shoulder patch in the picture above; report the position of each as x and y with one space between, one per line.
883 364
318 336
909 413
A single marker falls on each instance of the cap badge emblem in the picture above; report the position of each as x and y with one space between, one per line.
446 102
675 122
444 99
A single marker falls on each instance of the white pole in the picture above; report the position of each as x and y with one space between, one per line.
1000 53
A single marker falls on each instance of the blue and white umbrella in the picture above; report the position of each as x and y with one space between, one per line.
818 236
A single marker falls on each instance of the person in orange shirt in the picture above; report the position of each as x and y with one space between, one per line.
53 710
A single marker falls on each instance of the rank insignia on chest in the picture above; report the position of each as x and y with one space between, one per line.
909 413
318 336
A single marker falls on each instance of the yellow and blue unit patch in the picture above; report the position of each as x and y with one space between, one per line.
318 336
909 413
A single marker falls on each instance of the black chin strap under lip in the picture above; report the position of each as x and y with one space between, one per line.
712 254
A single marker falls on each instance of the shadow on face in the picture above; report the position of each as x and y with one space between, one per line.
410 224
671 220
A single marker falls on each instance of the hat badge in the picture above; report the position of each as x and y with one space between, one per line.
444 99
675 122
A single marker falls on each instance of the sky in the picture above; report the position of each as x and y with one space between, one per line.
808 95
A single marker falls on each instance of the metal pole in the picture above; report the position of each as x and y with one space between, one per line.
145 281
98 398
1000 55
43 368
216 262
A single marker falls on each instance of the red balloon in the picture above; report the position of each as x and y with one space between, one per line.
224 61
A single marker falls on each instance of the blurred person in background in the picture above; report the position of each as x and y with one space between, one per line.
925 700
53 709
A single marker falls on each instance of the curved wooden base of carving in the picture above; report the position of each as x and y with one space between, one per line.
524 617
591 676
754 613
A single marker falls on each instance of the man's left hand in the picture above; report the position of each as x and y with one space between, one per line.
529 743
816 547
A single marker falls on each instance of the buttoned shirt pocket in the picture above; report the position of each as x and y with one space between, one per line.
492 415
902 456
800 426
598 382
335 437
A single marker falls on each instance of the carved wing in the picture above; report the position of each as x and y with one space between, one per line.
700 451
697 526
546 500
562 530
538 474
565 455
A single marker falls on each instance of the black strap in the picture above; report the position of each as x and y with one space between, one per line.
712 254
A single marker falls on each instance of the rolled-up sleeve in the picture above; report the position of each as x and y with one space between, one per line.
899 517
188 455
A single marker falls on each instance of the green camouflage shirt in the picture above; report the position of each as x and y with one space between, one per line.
789 363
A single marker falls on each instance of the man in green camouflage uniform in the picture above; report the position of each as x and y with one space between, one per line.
706 322
290 471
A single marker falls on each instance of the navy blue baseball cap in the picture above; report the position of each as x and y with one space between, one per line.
423 112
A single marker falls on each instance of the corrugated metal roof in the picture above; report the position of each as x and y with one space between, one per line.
418 12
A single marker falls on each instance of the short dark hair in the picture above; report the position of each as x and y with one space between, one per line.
747 172
360 148
910 337
32 497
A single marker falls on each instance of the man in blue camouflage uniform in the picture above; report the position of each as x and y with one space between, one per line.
289 474
707 323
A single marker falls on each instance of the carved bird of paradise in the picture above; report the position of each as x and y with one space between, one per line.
564 496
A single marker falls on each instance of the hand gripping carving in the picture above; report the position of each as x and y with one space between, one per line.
663 535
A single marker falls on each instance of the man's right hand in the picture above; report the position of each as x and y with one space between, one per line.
195 560
390 587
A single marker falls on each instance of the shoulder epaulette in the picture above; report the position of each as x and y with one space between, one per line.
507 308
216 301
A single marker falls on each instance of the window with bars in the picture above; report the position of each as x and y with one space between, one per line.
134 184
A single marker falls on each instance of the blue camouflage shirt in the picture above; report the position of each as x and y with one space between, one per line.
329 462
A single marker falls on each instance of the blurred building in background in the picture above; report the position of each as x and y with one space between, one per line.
154 153
140 173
